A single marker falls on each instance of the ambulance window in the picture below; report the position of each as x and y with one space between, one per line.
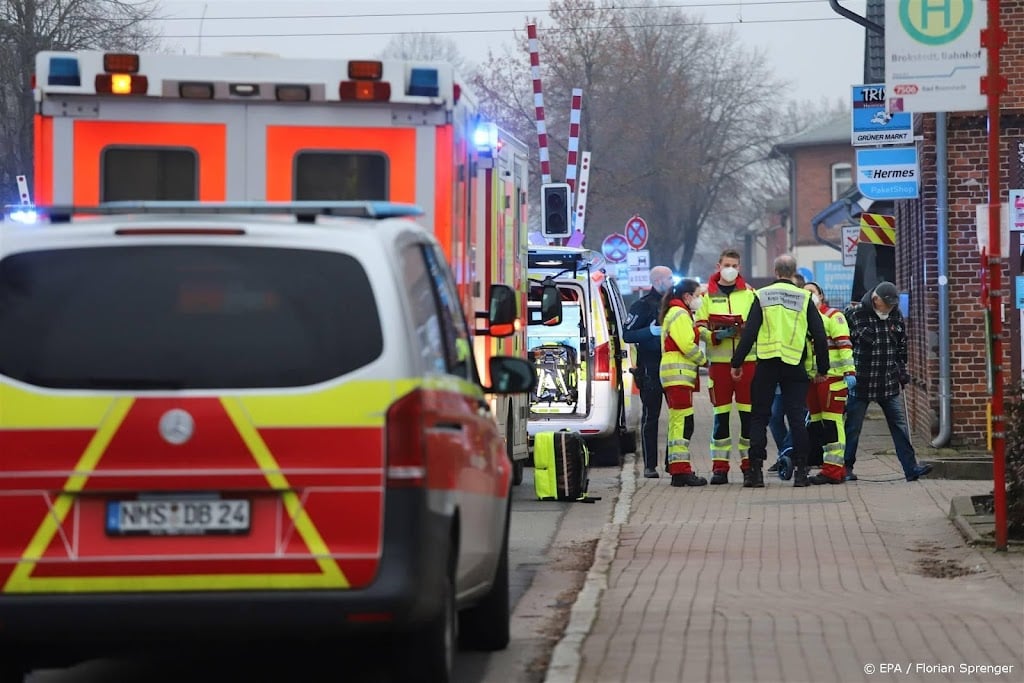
340 176
423 306
458 348
149 173
185 317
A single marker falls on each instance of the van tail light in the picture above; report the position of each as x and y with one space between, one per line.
602 363
405 446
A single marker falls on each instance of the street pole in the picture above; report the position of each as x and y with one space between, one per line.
993 85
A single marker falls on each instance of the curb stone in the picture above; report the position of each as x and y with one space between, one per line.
564 666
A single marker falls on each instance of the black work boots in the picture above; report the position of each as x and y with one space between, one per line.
753 478
800 477
719 477
688 479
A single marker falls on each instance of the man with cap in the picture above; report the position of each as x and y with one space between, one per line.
879 337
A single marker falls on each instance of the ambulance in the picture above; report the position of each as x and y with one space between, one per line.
158 127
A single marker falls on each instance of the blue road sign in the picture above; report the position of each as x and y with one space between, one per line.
615 248
888 173
873 125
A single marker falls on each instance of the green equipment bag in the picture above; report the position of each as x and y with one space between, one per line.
561 464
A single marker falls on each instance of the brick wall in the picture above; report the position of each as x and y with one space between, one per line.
814 183
917 262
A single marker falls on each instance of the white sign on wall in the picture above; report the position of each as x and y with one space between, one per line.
851 236
933 55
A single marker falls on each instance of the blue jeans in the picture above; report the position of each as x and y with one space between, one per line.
777 424
892 407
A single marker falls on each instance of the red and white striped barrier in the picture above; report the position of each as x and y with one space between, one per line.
574 139
538 103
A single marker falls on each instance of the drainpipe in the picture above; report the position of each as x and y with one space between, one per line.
942 218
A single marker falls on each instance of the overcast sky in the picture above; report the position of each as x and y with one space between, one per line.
818 52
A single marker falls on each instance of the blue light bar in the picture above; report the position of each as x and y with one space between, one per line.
22 213
423 82
485 138
64 71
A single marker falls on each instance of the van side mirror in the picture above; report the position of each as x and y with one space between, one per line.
511 376
502 312
550 304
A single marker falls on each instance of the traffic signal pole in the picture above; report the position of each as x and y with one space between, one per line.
993 85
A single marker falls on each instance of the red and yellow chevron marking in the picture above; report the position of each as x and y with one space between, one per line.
877 228
80 443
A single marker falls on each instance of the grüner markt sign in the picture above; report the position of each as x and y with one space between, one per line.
933 55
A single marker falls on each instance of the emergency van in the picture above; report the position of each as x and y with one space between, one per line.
230 423
132 127
581 361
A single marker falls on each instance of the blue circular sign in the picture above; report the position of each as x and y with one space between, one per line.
615 248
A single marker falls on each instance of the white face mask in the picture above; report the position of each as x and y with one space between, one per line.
729 274
883 316
816 299
696 302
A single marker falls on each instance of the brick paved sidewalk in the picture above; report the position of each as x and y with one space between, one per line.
723 583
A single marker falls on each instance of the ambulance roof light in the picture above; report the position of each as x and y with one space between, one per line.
365 91
121 84
485 138
292 93
365 70
423 82
121 62
64 71
22 213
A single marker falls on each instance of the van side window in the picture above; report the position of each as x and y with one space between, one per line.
149 173
340 176
458 345
423 306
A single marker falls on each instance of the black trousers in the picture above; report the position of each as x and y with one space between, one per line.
793 382
649 376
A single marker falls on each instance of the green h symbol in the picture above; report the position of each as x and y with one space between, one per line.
942 7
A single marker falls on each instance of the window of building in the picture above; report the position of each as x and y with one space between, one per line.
842 179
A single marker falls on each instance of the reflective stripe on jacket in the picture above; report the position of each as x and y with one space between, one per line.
681 354
840 348
717 302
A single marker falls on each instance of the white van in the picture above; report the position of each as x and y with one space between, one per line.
582 364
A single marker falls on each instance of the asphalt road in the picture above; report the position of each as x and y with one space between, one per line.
551 549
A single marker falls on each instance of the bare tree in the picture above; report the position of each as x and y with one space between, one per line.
426 46
677 115
31 26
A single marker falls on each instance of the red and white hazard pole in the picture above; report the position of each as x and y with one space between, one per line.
572 162
993 85
538 103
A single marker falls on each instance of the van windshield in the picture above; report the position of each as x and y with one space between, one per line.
184 317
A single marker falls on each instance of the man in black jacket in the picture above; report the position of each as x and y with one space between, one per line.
879 336
643 330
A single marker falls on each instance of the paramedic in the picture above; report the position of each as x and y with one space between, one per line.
642 329
789 316
680 358
827 401
720 322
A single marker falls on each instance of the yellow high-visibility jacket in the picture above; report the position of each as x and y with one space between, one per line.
681 354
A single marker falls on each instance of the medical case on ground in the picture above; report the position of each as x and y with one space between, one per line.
561 464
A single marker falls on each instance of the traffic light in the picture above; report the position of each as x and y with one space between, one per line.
555 210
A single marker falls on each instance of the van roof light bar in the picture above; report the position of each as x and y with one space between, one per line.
303 210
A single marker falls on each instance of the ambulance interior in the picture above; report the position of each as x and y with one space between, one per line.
558 354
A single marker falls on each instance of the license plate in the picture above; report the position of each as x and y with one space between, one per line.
177 517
